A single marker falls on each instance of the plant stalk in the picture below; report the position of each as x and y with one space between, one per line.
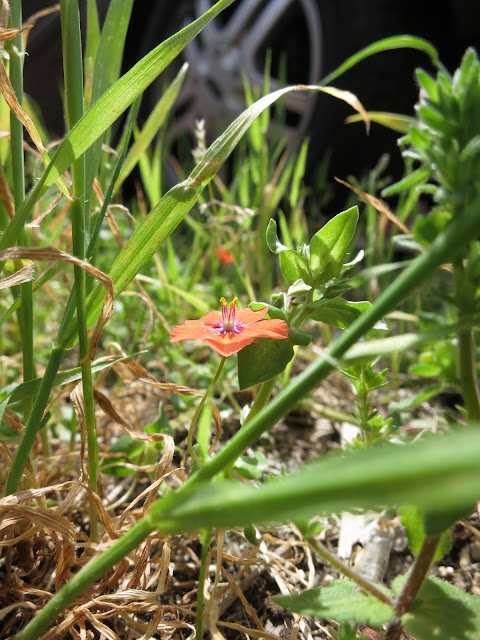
199 409
25 313
350 573
205 539
73 73
465 295
412 586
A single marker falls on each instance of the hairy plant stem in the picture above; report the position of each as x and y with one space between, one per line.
349 572
205 540
414 581
465 294
198 411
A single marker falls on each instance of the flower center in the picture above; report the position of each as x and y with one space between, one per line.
228 324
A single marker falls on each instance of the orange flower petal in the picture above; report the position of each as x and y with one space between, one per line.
251 325
228 344
247 316
277 329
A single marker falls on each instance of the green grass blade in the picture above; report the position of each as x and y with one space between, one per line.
106 111
91 47
386 44
154 123
108 62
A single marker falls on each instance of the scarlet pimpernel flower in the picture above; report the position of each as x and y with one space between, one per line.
232 329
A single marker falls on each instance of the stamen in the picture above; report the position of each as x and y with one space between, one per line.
228 315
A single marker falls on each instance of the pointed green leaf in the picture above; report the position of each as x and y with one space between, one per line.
294 267
336 311
252 467
263 360
329 245
438 473
273 243
342 600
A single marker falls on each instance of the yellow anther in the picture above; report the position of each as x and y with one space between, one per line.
223 302
233 303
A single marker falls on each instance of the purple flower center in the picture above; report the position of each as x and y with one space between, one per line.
228 324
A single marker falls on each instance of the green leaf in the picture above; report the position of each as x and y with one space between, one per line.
30 388
299 337
294 267
342 600
385 44
132 450
273 312
263 360
438 522
161 424
395 121
411 181
155 120
7 434
106 70
329 245
413 520
442 611
407 404
252 467
273 243
439 473
337 312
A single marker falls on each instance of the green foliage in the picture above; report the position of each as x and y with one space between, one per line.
441 611
342 601
413 520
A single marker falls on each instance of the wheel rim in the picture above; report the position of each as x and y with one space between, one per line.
236 43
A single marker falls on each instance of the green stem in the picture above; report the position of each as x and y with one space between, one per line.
261 399
198 411
28 438
349 572
413 584
18 176
205 539
55 358
73 73
465 295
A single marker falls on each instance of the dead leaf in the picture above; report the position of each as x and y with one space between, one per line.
25 274
51 254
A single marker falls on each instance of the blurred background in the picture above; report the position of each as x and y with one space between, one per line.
304 40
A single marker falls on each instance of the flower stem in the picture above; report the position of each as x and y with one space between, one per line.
198 411
465 301
411 587
205 539
261 399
